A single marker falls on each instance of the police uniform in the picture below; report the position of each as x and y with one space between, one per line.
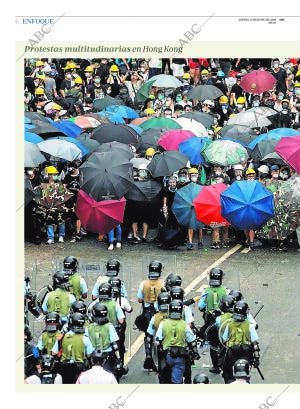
59 301
78 286
104 279
148 292
47 340
115 312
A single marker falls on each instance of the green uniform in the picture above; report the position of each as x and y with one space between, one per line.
73 348
99 335
173 333
112 314
59 301
49 339
74 280
239 333
214 295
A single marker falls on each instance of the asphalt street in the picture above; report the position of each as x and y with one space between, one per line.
265 278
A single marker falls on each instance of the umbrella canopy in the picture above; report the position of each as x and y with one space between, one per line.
118 133
116 147
61 149
32 137
33 157
165 81
170 140
46 129
273 159
224 153
139 121
259 81
164 164
29 193
277 133
86 122
160 123
144 191
183 206
192 148
238 133
99 217
250 119
101 103
205 119
122 110
208 205
52 195
84 150
149 138
247 204
136 162
263 148
106 175
91 144
289 150
137 129
35 116
191 125
263 111
68 128
202 92
28 126
112 117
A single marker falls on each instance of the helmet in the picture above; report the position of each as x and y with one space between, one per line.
112 268
79 306
173 280
78 80
99 313
155 268
204 72
47 362
186 76
241 368
250 171
39 91
241 100
114 68
149 111
60 280
237 295
263 169
223 99
150 152
105 291
221 74
238 167
51 170
177 293
115 285
98 357
215 277
200 378
175 309
226 303
240 311
70 264
52 321
163 301
76 322
39 63
193 170
70 66
89 68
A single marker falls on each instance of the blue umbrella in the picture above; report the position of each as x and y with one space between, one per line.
138 129
112 117
123 111
28 126
84 150
67 127
183 207
247 204
32 137
192 148
27 120
277 133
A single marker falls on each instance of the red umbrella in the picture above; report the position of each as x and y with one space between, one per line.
208 205
170 140
258 81
289 150
99 217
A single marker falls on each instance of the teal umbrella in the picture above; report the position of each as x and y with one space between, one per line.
224 153
143 92
183 207
160 123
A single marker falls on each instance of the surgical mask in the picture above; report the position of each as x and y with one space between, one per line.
178 99
108 91
255 103
275 176
238 177
194 178
36 83
297 91
168 116
240 106
284 176
160 97
97 81
182 179
225 108
87 74
114 74
280 97
276 65
55 177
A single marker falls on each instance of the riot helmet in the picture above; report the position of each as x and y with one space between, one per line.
241 368
61 280
201 378
70 264
76 322
237 295
240 311
116 284
98 357
175 309
163 301
177 293
99 313
112 268
155 268
47 362
52 321
172 280
226 303
105 291
79 306
215 277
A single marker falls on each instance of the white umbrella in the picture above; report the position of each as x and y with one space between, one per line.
189 124
250 119
136 162
32 155
263 111
166 81
61 149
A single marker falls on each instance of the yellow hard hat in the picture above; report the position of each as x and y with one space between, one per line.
39 63
241 100
298 73
186 76
114 68
78 80
193 170
39 91
151 96
217 130
51 170
150 152
56 107
89 68
149 111
204 72
70 66
223 99
250 171
297 85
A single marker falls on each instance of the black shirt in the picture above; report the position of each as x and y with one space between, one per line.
237 90
280 77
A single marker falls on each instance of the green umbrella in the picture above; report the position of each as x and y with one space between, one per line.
224 153
143 92
160 123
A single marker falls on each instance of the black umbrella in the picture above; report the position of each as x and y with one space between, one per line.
106 175
273 159
263 148
144 191
45 129
120 133
205 119
36 116
238 133
164 164
203 92
170 237
116 147
101 103
86 140
28 191
149 138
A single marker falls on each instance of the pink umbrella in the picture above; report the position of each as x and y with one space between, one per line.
170 140
99 217
86 122
289 150
258 81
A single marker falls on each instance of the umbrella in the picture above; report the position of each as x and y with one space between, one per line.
164 164
28 126
144 92
165 81
149 138
183 207
170 237
263 111
119 133
160 123
136 162
203 92
238 133
144 191
46 129
32 137
273 159
193 126
29 193
289 150
91 144
106 175
33 157
35 116
68 128
258 80
112 117
247 204
116 147
86 122
101 103
277 133
224 153
137 129
263 148
208 205
61 149
170 140
250 119
205 119
99 217
139 121
122 111
84 150
192 149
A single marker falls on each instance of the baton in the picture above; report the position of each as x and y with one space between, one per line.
259 310
260 373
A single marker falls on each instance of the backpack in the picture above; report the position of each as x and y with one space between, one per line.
47 378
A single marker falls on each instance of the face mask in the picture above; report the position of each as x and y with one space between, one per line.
168 116
97 81
240 106
276 65
285 106
194 178
114 74
225 108
238 177
36 83
182 179
87 74
68 76
297 91
160 97
55 178
178 99
284 176
172 188
108 91
280 97
255 103
275 176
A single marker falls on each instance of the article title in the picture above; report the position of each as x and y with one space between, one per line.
105 49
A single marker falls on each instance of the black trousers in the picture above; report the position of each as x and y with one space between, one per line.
233 354
70 371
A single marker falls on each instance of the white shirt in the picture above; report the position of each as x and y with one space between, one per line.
239 381
34 379
96 375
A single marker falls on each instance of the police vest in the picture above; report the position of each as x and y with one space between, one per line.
47 378
49 339
112 314
73 347
59 301
173 333
214 295
99 335
239 333
75 289
151 289
158 317
224 320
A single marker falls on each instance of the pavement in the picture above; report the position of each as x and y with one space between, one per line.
265 278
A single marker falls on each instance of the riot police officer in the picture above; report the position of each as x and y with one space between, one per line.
172 280
78 285
212 295
48 374
51 333
201 378
112 270
241 372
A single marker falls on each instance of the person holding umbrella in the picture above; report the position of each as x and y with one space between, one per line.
250 234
